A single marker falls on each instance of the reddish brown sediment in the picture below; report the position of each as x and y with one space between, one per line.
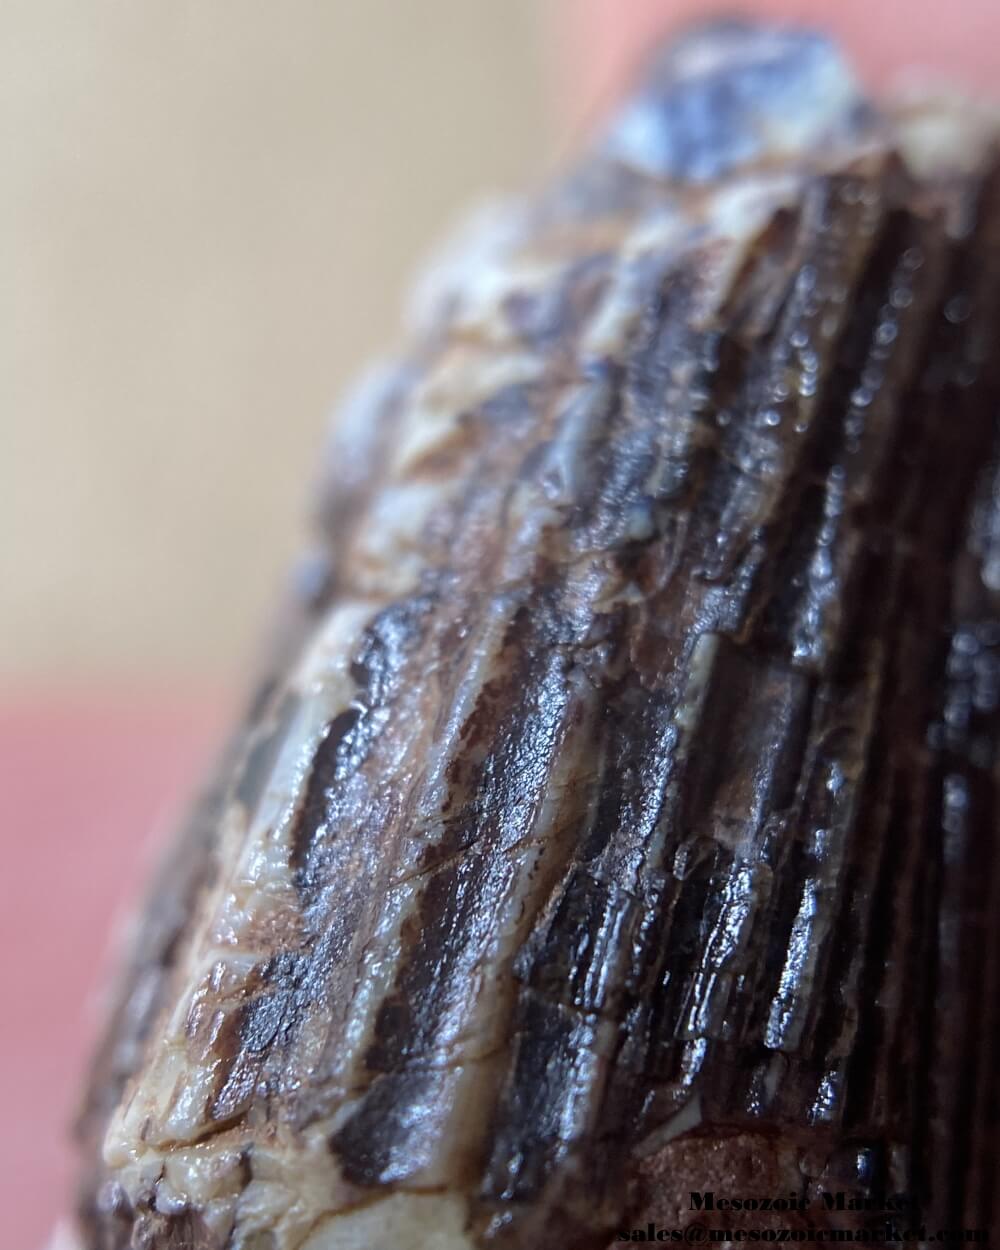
622 800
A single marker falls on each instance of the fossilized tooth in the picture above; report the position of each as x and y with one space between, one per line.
618 817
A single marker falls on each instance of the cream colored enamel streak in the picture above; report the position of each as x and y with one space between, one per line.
413 1221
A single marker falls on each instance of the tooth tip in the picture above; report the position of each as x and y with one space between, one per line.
731 92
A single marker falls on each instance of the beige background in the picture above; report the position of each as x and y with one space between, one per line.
208 213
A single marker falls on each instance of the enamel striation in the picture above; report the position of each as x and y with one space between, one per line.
623 782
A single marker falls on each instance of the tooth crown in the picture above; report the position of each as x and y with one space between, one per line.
624 788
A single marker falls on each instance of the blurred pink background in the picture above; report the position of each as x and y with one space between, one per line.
87 781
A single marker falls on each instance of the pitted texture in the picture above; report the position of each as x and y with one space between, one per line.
626 782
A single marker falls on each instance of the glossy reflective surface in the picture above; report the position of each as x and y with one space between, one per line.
627 779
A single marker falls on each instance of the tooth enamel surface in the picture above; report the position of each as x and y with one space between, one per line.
621 794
